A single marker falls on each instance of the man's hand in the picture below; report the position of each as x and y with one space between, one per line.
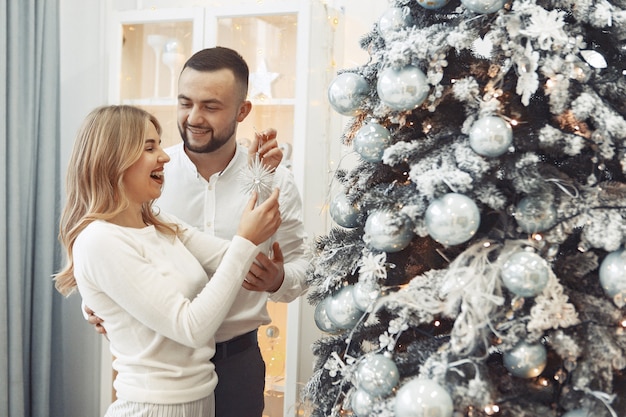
266 274
266 144
95 320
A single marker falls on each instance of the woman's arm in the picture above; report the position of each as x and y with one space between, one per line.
123 280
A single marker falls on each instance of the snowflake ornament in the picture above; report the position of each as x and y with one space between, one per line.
373 267
257 177
528 80
546 27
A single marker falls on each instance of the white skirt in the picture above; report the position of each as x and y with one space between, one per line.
204 407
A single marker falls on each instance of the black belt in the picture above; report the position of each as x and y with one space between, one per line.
235 345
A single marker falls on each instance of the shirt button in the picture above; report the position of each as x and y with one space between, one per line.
210 187
209 224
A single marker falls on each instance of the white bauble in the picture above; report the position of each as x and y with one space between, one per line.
342 310
388 231
423 398
371 140
377 375
484 6
402 89
343 212
347 92
452 219
612 275
525 273
490 136
526 360
394 20
321 318
361 403
535 214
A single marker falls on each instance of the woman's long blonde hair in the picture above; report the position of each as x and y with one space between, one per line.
110 140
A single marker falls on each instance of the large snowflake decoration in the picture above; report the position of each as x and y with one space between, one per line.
546 27
257 177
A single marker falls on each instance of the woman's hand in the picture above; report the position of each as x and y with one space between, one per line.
258 224
266 145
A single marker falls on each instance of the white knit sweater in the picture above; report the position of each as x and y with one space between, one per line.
159 309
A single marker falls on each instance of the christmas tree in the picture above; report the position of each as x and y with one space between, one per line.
477 265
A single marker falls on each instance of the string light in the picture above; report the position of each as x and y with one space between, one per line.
560 376
579 74
492 409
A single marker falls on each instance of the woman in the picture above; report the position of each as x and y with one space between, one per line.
145 273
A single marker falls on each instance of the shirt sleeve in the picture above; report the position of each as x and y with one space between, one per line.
208 249
115 266
292 239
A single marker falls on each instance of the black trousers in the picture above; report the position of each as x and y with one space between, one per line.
241 379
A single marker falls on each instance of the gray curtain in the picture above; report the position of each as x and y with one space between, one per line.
29 164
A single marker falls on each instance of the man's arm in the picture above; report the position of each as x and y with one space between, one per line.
94 320
284 274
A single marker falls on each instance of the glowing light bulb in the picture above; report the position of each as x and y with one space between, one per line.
492 409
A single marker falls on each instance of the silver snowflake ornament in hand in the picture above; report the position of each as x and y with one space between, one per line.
257 177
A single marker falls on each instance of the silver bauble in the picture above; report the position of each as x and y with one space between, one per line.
343 212
361 403
388 231
490 136
612 274
377 375
525 273
526 360
432 4
394 20
341 309
402 89
452 219
535 214
347 92
371 140
484 6
321 318
364 294
421 398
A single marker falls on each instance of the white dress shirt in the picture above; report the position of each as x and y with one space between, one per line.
216 206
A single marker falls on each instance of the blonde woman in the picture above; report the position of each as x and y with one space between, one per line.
144 272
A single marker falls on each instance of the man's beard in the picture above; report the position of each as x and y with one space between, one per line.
215 143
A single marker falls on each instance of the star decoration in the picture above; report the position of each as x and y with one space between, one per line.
257 177
261 81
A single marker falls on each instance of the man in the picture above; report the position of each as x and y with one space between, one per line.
204 188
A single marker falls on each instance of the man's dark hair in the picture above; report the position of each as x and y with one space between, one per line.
218 58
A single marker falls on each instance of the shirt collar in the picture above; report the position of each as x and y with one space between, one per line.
241 156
